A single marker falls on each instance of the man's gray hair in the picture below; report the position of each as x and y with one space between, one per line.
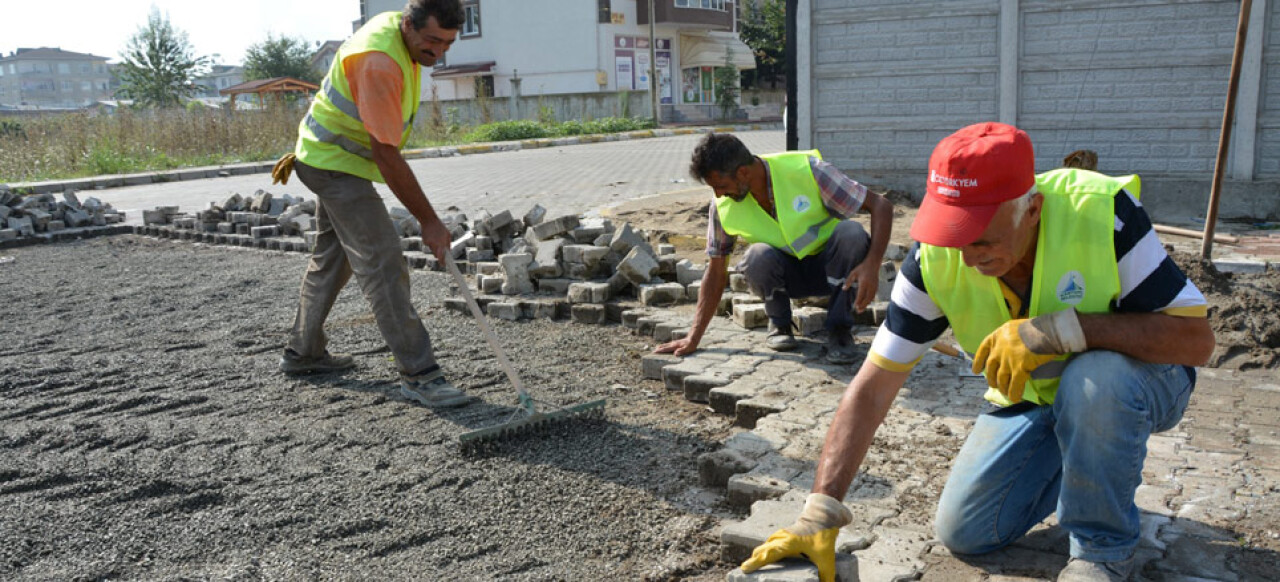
1020 206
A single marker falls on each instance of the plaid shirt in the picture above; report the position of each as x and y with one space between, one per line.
841 195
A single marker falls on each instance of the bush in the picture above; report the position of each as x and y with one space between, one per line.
508 131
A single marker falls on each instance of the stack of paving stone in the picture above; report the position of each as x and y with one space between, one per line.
263 220
587 269
45 217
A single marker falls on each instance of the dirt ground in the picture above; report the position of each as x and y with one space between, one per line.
145 433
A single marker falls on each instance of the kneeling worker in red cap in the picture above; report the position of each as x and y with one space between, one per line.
1085 329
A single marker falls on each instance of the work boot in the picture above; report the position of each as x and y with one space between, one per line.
780 338
840 346
432 390
1079 570
293 364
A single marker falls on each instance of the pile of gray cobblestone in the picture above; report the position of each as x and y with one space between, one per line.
46 215
593 271
262 220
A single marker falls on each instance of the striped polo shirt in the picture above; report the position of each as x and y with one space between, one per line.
1149 282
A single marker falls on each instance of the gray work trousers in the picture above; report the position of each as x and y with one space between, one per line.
356 236
777 277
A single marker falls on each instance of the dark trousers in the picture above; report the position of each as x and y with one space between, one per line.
777 277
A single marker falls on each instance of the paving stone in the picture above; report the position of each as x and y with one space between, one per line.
547 261
1204 558
895 252
651 365
588 293
588 313
724 399
646 325
748 411
692 290
662 295
768 516
479 256
490 283
534 216
809 321
750 316
673 376
515 270
625 239
631 316
697 388
509 311
744 489
1240 265
798 570
638 267
553 228
715 468
553 286
738 283
665 332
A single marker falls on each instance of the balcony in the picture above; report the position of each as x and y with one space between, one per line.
718 15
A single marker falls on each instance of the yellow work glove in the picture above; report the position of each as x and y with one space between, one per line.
813 536
1013 350
283 168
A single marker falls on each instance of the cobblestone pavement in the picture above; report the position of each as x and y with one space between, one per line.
571 179
1209 498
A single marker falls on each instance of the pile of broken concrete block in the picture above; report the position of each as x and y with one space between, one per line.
587 269
593 271
45 217
286 223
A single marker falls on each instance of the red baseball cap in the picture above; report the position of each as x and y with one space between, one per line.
971 173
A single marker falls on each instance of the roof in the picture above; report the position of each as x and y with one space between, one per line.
49 53
329 46
462 70
711 49
272 85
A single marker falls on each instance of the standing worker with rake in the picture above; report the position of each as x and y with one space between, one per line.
352 137
1084 328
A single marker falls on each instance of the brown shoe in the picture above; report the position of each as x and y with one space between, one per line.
293 364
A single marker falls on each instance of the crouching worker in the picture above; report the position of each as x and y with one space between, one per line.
796 210
1085 330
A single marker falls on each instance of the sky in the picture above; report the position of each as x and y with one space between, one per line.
222 27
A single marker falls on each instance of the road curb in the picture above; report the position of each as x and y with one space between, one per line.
227 170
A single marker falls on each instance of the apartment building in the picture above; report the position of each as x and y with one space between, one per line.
53 78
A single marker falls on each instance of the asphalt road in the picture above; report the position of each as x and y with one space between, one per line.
565 180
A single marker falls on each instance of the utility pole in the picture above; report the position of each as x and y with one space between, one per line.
653 67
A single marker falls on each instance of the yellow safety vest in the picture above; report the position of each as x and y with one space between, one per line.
803 225
331 135
1076 266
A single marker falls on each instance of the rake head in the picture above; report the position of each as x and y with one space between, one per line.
530 422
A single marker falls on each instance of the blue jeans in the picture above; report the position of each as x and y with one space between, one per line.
1081 456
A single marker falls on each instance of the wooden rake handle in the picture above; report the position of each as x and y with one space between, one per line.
484 324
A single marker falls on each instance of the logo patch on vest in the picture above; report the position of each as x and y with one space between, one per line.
1071 288
801 203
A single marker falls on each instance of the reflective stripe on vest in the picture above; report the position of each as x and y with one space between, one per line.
341 141
348 106
803 223
1075 266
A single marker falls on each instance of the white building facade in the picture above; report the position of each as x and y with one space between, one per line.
561 47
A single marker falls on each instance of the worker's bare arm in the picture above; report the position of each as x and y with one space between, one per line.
862 408
713 283
395 170
1151 337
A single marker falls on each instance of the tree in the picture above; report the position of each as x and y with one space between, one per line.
279 57
765 31
160 66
